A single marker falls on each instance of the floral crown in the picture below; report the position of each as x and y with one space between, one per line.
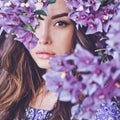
20 18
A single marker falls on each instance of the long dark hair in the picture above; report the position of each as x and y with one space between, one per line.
2 39
20 78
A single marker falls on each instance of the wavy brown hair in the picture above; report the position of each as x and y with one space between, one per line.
21 78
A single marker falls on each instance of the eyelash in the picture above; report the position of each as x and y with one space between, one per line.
61 23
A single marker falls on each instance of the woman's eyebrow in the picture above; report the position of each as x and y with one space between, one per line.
59 15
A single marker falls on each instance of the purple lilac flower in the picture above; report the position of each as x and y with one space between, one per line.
42 4
81 112
58 63
67 66
106 110
45 4
83 75
26 37
91 14
19 18
61 82
20 21
53 81
93 74
106 85
32 2
1 4
114 34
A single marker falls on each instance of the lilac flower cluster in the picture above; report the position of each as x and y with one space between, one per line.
93 14
114 35
20 19
80 77
83 80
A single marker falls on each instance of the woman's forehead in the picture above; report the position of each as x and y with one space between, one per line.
56 8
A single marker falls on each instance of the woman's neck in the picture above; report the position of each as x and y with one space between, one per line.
44 99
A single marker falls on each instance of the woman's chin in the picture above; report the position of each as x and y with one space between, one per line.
44 64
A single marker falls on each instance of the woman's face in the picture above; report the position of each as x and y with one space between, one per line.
55 34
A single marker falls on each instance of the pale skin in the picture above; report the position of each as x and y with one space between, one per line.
55 34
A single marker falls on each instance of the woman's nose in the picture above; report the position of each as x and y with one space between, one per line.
44 36
43 40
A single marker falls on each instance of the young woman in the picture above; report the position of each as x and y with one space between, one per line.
23 93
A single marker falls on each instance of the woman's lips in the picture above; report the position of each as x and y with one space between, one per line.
44 55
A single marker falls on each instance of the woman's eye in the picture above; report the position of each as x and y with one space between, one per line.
61 24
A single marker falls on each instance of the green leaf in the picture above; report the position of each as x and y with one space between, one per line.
40 12
100 53
24 14
29 28
52 1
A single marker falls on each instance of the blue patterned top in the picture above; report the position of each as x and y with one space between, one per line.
37 114
109 111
